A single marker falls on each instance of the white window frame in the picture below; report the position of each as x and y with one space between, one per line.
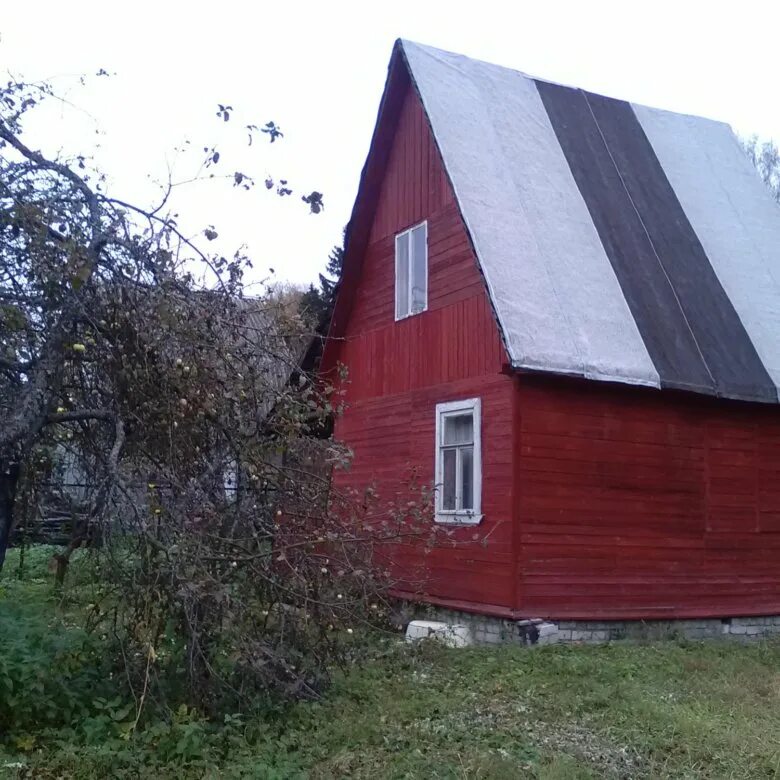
410 275
450 409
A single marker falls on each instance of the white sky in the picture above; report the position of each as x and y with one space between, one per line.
317 69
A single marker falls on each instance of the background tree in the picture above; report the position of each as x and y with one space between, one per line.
317 302
765 155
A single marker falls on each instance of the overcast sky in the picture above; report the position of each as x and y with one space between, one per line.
317 69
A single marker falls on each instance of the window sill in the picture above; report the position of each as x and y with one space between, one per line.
411 314
458 519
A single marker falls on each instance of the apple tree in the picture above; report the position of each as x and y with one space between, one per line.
221 547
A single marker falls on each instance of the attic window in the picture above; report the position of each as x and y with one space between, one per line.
458 462
411 271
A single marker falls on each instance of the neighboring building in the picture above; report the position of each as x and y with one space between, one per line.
281 351
564 310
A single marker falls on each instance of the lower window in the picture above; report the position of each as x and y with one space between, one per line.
458 462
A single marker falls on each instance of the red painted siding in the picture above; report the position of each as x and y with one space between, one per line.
638 504
399 371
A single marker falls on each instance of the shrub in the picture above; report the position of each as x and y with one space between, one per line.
51 674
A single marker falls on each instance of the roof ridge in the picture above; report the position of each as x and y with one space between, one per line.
434 50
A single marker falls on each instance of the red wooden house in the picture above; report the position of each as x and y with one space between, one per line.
564 311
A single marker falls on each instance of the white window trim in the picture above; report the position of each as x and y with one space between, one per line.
460 516
409 273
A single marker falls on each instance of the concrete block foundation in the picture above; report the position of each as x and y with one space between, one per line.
487 630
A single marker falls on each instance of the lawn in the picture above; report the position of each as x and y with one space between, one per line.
622 710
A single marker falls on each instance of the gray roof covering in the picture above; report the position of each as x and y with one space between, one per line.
618 242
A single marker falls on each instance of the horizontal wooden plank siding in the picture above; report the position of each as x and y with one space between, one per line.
399 371
640 504
393 438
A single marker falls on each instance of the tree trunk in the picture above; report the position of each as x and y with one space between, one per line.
9 480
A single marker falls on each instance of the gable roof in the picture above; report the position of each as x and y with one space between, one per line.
617 242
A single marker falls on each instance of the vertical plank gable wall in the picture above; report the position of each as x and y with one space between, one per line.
399 371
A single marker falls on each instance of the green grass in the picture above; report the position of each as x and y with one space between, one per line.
655 710
704 710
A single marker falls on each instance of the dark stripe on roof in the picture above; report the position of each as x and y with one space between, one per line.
646 287
722 340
